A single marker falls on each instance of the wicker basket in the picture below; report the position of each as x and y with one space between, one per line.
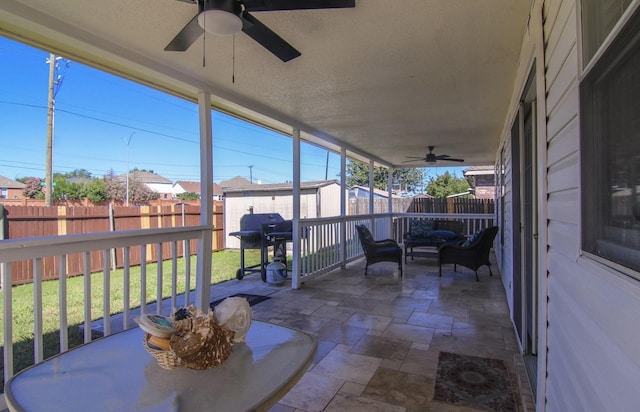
166 358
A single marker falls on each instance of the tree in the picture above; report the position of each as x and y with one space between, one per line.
96 191
135 169
139 193
116 190
188 196
83 173
447 184
65 190
33 188
404 180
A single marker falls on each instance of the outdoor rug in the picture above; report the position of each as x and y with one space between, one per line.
481 383
253 299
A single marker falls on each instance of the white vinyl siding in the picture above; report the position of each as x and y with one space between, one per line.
593 329
505 257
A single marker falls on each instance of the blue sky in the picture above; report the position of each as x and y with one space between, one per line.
96 113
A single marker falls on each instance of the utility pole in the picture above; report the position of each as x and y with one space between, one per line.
326 168
49 163
54 86
128 142
251 174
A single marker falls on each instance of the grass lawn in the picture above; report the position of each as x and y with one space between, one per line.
225 264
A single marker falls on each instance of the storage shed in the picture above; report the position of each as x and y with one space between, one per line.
317 199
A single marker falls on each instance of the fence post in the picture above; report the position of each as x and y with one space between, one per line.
450 205
2 237
112 228
2 222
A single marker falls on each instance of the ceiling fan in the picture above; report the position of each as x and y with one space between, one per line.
431 157
225 17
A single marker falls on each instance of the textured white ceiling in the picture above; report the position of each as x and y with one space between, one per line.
387 78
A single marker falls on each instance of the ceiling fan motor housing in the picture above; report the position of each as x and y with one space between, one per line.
222 17
230 6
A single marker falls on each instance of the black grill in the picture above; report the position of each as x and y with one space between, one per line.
259 231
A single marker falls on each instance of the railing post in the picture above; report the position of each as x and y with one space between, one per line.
62 302
126 291
38 346
86 263
7 321
106 294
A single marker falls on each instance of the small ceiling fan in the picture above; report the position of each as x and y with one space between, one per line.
226 17
431 158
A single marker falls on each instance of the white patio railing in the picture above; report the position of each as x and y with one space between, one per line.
326 244
322 249
61 247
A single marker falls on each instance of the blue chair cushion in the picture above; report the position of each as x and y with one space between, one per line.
387 250
473 238
421 228
443 234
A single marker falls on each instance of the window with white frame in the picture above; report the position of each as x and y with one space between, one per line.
610 147
598 19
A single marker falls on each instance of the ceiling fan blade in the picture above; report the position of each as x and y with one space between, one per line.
189 34
267 38
449 159
413 160
272 5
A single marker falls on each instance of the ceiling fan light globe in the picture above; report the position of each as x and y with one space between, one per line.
220 22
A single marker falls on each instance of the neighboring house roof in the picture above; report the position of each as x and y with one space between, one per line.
423 196
5 182
275 187
459 194
194 187
162 188
191 187
79 180
144 177
376 192
479 170
235 182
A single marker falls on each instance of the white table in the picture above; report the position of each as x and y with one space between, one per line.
115 373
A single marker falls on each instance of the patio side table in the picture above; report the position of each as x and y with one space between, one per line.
115 373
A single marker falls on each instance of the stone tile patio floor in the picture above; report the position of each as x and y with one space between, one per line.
379 336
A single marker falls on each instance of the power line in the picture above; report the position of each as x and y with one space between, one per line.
101 120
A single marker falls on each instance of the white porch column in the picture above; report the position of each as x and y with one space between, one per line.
295 269
371 186
371 189
343 208
203 266
390 199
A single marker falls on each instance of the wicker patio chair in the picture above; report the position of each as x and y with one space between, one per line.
472 254
377 251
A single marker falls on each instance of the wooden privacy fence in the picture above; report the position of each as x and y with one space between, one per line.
451 205
40 221
422 205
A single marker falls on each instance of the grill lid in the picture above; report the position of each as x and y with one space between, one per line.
258 221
